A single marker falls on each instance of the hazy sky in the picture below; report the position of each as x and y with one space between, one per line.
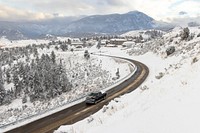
166 10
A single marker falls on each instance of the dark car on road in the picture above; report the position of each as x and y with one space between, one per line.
95 97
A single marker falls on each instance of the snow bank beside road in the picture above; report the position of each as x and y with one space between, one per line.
169 99
167 105
159 105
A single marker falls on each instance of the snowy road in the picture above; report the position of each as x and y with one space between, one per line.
81 110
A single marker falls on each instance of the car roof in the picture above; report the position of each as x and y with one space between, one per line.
94 93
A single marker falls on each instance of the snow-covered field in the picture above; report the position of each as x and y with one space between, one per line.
4 42
7 43
167 102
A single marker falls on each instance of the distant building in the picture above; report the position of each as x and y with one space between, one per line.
117 41
104 42
110 45
79 46
128 44
91 42
76 41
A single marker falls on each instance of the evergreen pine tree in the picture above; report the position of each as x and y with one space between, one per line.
8 76
53 57
2 90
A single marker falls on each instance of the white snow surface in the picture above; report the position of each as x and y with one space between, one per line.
20 43
169 104
101 72
137 33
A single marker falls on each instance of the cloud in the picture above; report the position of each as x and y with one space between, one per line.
185 21
115 2
182 13
40 9
190 6
191 12
77 7
13 14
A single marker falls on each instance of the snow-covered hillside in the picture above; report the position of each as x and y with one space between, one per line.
80 75
78 26
145 34
4 42
168 101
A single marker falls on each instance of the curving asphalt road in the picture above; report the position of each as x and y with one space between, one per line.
80 111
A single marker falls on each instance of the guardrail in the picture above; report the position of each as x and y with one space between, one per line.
58 108
122 79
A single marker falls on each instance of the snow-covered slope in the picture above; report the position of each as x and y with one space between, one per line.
145 34
112 23
4 42
84 76
79 26
168 101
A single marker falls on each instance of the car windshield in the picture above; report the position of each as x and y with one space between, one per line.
93 94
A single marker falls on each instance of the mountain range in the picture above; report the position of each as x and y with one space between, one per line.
80 26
